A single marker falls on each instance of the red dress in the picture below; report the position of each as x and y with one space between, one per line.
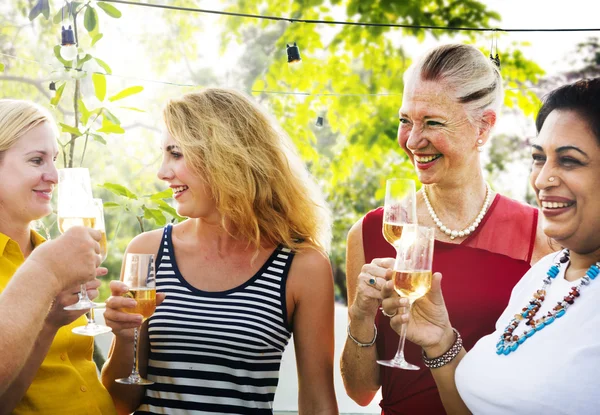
478 277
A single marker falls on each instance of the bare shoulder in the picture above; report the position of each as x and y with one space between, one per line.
355 238
310 264
145 243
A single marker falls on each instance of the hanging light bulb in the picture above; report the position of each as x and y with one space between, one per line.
68 48
293 53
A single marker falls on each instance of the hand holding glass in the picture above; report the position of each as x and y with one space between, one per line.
412 278
76 208
140 278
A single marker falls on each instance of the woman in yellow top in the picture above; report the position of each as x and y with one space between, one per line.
59 376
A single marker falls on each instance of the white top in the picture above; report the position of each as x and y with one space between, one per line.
555 371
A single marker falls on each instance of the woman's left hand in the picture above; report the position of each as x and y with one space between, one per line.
428 322
58 317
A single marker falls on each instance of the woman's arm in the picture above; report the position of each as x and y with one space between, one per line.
359 367
120 357
24 304
310 283
57 318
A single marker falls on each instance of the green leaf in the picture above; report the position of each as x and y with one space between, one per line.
46 9
60 58
35 10
59 91
110 128
165 194
126 92
90 19
165 207
83 60
119 190
104 65
99 86
154 215
70 129
85 114
109 9
96 38
98 138
132 109
111 117
1 67
111 205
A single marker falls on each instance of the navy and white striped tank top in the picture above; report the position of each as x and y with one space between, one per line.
216 352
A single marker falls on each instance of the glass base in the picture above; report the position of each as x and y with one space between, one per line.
83 305
134 380
398 364
92 329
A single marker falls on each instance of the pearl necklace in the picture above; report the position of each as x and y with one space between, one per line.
509 342
469 229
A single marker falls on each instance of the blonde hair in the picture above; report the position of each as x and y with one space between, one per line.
473 79
17 117
259 183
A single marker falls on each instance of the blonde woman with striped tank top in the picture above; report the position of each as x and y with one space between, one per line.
234 281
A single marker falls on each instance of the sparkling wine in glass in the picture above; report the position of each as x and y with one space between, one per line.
92 328
412 278
140 278
76 208
400 209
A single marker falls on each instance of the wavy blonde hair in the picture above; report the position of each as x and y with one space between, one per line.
258 181
17 117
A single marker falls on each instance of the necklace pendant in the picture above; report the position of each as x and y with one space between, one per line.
452 237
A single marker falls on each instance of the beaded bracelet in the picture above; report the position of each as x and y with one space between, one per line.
435 362
371 343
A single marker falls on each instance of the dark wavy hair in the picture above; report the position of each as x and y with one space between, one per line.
582 97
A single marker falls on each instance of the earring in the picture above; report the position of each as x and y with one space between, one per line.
551 178
480 145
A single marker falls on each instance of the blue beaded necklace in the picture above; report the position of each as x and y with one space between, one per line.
510 342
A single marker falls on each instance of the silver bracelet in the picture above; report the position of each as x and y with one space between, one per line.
371 343
435 362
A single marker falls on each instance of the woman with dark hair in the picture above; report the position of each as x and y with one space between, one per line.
484 241
544 355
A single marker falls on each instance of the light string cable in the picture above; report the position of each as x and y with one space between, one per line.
347 23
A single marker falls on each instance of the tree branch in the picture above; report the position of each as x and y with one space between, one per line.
37 84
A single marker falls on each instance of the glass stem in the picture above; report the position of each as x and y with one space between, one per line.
400 353
83 293
90 317
135 370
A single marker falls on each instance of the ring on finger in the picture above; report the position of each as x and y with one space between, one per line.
388 315
372 281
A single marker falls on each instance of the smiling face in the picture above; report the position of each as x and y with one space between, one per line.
29 176
191 192
436 134
565 173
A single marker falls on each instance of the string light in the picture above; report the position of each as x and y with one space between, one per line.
68 48
293 55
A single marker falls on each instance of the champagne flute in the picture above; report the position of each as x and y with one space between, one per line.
92 328
76 208
400 209
140 278
412 278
